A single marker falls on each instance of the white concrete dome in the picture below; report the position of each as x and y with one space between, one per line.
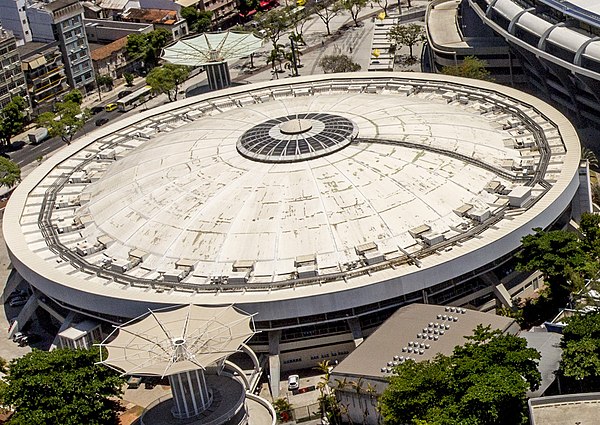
189 194
437 178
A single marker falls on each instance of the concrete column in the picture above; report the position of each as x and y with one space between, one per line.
274 362
357 335
190 394
218 75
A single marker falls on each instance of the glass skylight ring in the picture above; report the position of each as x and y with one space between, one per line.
282 140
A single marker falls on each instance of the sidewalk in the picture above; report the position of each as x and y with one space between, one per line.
93 98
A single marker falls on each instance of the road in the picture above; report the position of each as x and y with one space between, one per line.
23 153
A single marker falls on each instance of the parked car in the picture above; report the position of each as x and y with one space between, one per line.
111 107
17 301
17 336
29 338
101 121
124 93
96 110
293 382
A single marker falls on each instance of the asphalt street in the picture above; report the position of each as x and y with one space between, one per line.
23 153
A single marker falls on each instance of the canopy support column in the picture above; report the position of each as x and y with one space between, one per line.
218 75
191 395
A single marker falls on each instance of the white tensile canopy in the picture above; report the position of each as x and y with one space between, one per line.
212 47
170 341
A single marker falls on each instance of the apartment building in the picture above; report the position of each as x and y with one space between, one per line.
44 73
57 21
12 81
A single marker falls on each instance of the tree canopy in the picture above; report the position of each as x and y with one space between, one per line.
407 35
354 7
198 20
338 63
581 349
105 80
74 96
10 173
483 382
147 47
12 119
471 67
61 387
66 121
274 23
167 79
325 10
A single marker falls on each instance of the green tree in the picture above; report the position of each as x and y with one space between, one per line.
283 408
12 119
580 359
246 6
298 21
471 67
74 96
66 121
353 7
338 63
105 80
558 254
275 58
198 20
407 35
61 387
485 381
325 10
273 23
128 79
167 79
589 227
10 175
147 47
590 157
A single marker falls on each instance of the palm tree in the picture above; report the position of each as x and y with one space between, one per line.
590 157
283 409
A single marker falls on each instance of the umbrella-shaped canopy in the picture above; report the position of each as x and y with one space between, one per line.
211 47
169 341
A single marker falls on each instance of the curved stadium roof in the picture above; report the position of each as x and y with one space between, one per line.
416 188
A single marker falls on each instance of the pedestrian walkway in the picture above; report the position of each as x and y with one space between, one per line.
95 99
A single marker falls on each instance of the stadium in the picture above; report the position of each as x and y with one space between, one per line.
556 43
320 204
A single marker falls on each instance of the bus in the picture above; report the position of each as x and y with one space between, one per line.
134 99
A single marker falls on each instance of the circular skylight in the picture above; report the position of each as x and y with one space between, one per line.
297 137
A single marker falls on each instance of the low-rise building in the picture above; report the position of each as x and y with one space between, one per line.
106 31
223 11
44 73
416 332
111 59
160 18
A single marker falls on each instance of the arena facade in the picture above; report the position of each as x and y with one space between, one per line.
318 203
556 43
